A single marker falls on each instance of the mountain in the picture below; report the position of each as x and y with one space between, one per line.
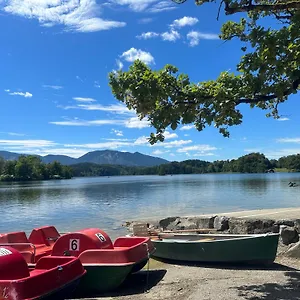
109 157
63 159
103 157
9 155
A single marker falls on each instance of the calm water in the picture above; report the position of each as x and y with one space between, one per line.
106 202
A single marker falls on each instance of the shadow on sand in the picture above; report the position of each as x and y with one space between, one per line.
136 283
271 291
230 266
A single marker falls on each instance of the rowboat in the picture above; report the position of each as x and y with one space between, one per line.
107 264
50 278
219 248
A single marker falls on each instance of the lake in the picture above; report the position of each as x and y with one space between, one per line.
107 202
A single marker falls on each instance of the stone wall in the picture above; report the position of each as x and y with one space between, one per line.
288 229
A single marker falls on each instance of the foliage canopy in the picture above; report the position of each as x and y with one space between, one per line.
267 74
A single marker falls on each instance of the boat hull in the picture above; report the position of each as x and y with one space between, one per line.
103 278
61 293
247 249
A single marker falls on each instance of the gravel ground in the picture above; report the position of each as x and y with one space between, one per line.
180 282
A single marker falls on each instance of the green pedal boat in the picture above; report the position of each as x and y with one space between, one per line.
217 248
107 264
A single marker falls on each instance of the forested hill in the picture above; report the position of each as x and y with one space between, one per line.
32 168
251 163
109 157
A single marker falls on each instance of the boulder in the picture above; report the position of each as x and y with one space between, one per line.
293 251
297 225
290 223
169 223
248 226
186 223
221 223
205 222
288 235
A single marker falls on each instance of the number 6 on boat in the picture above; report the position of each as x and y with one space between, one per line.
74 244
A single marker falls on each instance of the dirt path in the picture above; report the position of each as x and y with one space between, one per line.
178 282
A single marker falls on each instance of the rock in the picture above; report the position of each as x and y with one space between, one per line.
290 223
297 225
288 235
187 223
205 222
169 223
293 251
248 226
221 223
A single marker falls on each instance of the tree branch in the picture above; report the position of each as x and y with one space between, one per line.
260 98
261 7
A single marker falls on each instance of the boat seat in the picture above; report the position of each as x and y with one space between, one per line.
17 237
46 235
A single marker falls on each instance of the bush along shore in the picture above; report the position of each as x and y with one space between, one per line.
28 168
289 229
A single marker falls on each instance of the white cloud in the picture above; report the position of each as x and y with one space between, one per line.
162 6
13 133
26 94
252 150
75 153
117 132
201 148
145 20
194 37
159 152
114 108
282 152
142 140
187 127
54 87
172 144
104 145
171 36
283 119
201 154
128 123
153 6
148 35
79 78
80 16
169 135
76 122
185 21
119 64
81 99
289 140
97 84
135 122
133 54
26 143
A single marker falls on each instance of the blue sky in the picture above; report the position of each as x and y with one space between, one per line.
55 58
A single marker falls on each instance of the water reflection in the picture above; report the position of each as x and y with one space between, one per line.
108 202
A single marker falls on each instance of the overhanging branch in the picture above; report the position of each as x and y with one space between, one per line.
261 7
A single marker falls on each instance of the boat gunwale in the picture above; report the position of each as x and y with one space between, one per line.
235 238
108 264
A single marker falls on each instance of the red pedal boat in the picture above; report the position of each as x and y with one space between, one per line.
107 263
39 243
51 278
